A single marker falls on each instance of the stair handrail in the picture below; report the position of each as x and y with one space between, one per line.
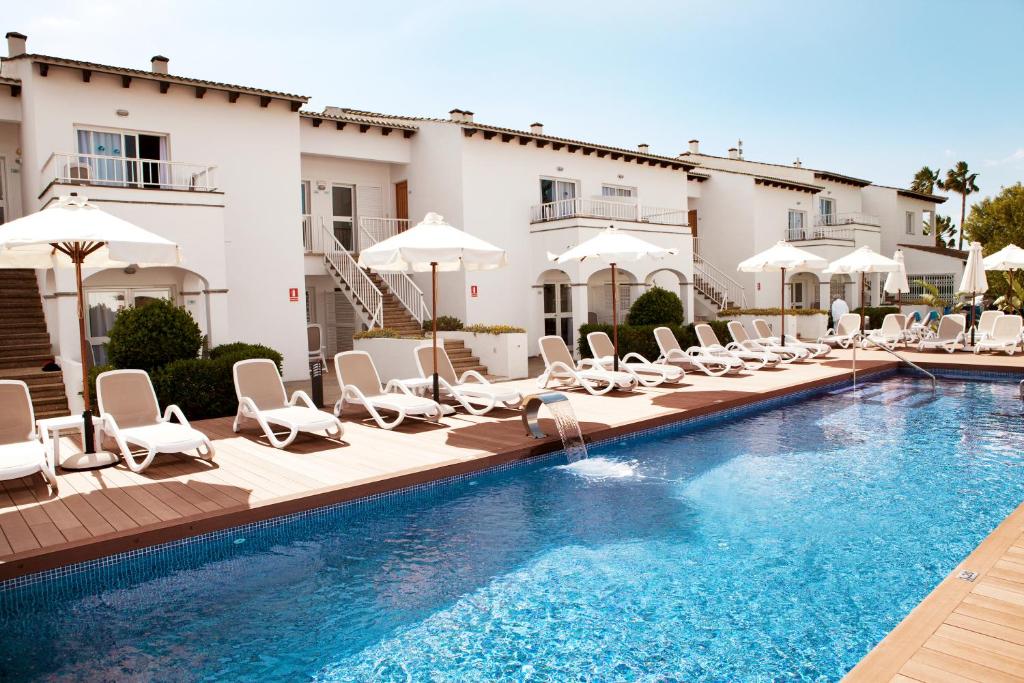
728 288
401 285
358 281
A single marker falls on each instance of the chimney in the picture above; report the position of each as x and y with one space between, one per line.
537 128
734 153
467 116
798 163
643 148
16 43
694 146
159 63
456 115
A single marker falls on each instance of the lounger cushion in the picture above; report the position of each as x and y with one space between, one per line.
15 413
396 401
21 459
296 415
164 434
260 382
128 397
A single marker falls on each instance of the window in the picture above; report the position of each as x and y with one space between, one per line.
121 158
555 196
827 210
911 219
304 201
945 282
103 306
618 192
343 214
928 222
797 222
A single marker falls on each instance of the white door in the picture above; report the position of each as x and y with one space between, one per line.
343 212
558 310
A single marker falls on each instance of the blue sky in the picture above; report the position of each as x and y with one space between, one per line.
872 89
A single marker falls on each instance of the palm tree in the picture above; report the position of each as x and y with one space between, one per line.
959 179
925 180
943 226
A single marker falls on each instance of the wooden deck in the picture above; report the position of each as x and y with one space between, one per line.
110 510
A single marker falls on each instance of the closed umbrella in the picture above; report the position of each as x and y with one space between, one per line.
74 233
974 280
896 281
614 247
1010 258
435 246
780 258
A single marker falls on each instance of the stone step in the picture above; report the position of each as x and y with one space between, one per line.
19 312
16 338
461 352
17 275
454 344
36 360
17 347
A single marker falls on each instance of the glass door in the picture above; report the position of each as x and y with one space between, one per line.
558 310
343 204
826 211
556 196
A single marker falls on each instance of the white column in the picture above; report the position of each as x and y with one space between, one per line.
580 310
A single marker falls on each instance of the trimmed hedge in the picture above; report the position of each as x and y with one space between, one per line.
640 338
148 337
445 323
734 312
656 306
492 329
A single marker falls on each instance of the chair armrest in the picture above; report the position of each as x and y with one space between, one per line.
174 411
474 375
587 363
559 366
301 395
395 386
636 356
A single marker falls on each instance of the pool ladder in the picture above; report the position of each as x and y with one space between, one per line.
893 352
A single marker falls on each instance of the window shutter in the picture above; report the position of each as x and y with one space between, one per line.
369 201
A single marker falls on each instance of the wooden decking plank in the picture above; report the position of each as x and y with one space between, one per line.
984 627
5 547
58 511
88 485
972 653
143 496
916 670
16 529
39 523
926 661
982 641
998 611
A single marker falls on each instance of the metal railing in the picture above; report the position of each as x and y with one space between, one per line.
851 218
794 234
363 291
891 351
716 284
311 241
401 284
580 207
108 171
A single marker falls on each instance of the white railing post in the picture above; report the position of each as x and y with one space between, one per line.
716 284
111 171
364 291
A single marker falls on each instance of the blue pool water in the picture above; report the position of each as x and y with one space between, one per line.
781 546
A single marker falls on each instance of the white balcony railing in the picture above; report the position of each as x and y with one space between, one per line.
830 219
580 207
401 284
344 267
108 171
376 229
830 232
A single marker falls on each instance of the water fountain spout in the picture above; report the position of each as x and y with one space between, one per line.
565 420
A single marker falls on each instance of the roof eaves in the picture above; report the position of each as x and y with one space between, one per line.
784 184
941 251
937 199
840 178
360 120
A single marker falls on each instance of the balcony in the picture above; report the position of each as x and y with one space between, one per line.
579 207
834 226
120 172
836 219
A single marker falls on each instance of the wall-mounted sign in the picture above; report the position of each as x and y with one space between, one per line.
293 294
473 291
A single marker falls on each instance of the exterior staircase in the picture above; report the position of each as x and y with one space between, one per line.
25 343
717 287
462 358
396 316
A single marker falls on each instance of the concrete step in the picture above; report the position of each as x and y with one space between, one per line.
460 352
10 348
450 344
36 360
21 312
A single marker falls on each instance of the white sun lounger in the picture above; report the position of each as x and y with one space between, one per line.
472 391
985 325
360 385
845 333
889 334
764 334
950 335
131 413
647 373
788 354
559 367
262 397
752 360
22 454
693 358
923 329
1005 337
315 344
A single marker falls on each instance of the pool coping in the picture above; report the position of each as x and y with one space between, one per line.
44 564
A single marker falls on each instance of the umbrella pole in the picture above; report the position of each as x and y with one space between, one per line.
615 323
433 325
88 437
782 337
974 295
862 303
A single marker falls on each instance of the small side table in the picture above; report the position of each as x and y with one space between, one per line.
51 429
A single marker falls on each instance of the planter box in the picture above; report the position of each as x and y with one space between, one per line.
504 354
394 358
802 326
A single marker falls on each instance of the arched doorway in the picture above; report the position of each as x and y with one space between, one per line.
556 289
840 287
670 280
804 291
599 295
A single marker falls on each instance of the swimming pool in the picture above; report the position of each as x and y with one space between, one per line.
778 545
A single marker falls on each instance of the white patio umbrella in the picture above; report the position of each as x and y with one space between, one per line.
432 245
863 260
780 258
974 279
613 247
896 281
74 233
1010 258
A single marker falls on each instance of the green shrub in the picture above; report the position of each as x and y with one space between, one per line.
151 336
445 323
656 306
735 312
237 351
377 333
640 338
492 329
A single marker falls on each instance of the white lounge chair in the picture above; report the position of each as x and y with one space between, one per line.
472 390
923 329
315 344
985 325
788 354
131 413
559 367
693 358
764 334
360 385
1005 336
22 454
889 334
752 360
647 373
262 397
950 335
845 333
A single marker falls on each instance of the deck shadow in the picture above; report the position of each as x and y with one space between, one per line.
501 436
691 400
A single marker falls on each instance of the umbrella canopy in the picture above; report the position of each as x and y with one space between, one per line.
1010 257
612 246
896 281
432 245
974 279
32 241
863 260
782 256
